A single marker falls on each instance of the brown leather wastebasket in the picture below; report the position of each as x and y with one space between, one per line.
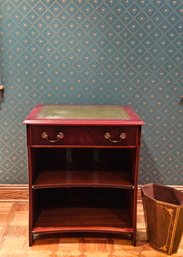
163 212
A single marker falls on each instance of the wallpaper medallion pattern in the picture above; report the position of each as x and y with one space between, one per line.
94 52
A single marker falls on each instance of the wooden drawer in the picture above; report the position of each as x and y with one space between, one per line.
84 135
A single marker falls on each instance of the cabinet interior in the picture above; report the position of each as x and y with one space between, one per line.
62 208
77 167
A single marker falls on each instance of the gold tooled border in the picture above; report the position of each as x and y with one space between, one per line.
174 229
170 211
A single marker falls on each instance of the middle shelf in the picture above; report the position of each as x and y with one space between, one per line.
83 167
93 178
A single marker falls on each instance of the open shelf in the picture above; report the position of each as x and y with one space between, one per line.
88 167
82 178
55 220
82 209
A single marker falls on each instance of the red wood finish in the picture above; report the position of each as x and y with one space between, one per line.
84 135
83 220
83 178
83 170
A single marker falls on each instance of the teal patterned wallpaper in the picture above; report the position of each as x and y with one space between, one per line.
127 52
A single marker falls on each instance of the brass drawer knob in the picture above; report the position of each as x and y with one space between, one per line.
108 136
59 136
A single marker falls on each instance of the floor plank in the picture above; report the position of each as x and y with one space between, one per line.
14 239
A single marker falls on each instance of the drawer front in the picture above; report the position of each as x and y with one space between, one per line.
84 135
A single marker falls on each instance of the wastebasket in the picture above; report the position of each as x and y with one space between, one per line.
163 212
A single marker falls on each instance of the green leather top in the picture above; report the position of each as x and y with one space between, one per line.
83 112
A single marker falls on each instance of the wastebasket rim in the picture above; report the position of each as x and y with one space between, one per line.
159 201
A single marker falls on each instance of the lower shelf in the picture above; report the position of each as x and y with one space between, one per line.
56 220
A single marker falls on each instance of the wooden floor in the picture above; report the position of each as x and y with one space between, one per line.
14 239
